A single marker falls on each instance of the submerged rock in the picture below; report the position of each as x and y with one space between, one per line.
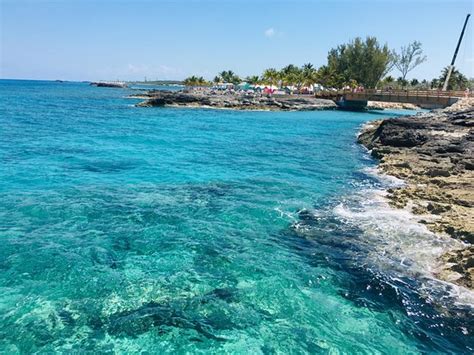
202 314
158 315
433 153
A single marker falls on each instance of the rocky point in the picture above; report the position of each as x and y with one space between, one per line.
235 100
433 153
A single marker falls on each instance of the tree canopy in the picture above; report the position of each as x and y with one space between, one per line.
366 62
271 76
228 76
195 81
252 79
457 81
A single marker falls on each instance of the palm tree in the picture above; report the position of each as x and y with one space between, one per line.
328 77
229 76
402 82
389 79
190 81
387 82
253 79
226 75
290 74
271 76
457 81
195 81
201 81
309 74
435 84
308 67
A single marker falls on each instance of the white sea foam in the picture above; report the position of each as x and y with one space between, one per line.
286 214
388 180
395 242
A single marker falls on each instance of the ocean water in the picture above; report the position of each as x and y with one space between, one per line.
168 230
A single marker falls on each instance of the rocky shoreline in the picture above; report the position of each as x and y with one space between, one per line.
238 101
249 101
380 105
433 153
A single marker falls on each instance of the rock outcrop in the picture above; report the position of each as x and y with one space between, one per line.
433 153
237 101
381 105
109 84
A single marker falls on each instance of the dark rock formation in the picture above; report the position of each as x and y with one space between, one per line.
113 84
237 101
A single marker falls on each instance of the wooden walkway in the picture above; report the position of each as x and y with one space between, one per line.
423 98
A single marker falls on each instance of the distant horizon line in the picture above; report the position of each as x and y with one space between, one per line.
90 81
151 81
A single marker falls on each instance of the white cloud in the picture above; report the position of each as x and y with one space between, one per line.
270 32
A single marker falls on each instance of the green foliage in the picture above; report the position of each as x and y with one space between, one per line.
457 81
195 81
253 79
309 74
271 76
402 82
363 61
424 85
228 76
435 84
470 85
328 77
291 75
414 82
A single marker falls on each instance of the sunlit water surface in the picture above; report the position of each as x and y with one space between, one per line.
185 230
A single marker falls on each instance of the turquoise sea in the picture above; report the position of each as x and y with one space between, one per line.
166 230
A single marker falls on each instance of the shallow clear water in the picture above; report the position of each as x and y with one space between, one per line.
187 230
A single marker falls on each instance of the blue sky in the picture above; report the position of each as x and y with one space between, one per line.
118 39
